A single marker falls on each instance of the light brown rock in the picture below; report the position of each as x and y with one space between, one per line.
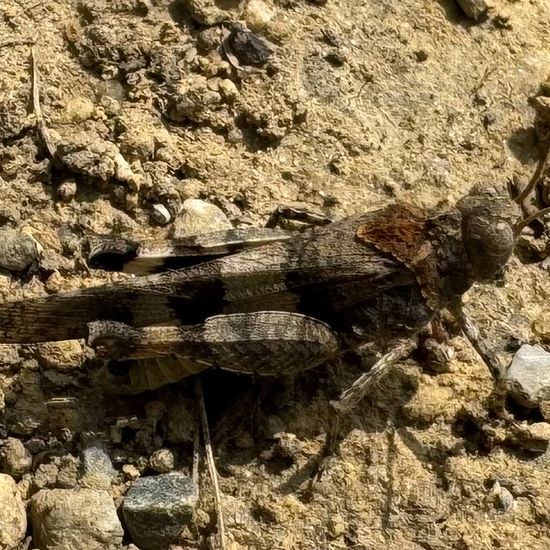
15 459
13 519
82 519
199 217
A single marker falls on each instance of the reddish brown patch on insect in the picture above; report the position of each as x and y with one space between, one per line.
402 231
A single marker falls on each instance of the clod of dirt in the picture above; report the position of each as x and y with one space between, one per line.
83 519
97 159
18 252
474 9
157 508
67 477
199 217
209 39
110 50
15 459
45 476
541 327
208 13
528 378
13 519
67 190
65 356
199 100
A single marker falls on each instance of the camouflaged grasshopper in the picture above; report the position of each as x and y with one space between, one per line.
270 302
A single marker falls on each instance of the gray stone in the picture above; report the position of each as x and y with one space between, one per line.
199 217
13 519
528 377
474 9
97 470
15 459
156 509
18 251
83 519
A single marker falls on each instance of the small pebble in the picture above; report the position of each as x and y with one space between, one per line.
162 461
67 190
160 214
130 472
15 459
78 109
13 519
228 90
18 251
503 498
157 508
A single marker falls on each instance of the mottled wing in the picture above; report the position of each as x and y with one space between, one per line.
152 256
313 273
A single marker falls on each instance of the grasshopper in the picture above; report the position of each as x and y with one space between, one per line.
272 302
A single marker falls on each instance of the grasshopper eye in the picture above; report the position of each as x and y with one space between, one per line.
488 236
489 244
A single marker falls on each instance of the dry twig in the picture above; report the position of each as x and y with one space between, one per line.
41 125
210 462
196 457
17 42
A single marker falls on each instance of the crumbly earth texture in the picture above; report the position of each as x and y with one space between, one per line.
358 104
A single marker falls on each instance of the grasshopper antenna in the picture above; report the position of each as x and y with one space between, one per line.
526 221
525 193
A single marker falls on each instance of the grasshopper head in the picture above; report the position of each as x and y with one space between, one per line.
488 219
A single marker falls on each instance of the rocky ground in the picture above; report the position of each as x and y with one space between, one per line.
341 107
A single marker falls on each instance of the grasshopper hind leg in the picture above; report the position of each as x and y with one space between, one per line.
267 343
